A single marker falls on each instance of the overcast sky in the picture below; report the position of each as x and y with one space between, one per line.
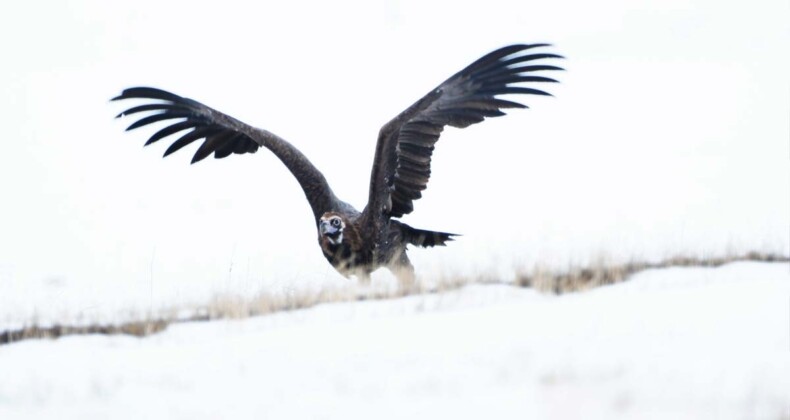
669 133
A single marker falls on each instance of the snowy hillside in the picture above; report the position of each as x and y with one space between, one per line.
669 343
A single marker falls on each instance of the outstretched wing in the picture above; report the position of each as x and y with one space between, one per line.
402 164
222 135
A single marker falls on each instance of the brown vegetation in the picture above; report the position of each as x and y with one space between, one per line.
602 273
224 307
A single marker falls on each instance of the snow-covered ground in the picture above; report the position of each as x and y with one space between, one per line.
669 343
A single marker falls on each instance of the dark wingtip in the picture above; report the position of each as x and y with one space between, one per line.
540 45
126 94
170 150
145 92
543 67
551 56
196 158
137 124
522 47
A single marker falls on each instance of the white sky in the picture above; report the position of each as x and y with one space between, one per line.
669 133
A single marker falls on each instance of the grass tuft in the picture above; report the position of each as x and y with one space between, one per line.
574 279
603 273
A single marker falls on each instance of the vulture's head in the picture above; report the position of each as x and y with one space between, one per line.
331 226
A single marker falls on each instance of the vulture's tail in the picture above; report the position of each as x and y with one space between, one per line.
425 238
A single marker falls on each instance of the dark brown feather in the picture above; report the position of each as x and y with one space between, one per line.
468 97
223 135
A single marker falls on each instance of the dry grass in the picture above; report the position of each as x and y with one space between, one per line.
234 307
603 273
136 328
227 307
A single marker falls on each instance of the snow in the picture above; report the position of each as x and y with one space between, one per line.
681 343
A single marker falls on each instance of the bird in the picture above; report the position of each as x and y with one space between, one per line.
354 242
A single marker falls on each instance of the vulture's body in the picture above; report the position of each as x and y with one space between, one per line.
358 242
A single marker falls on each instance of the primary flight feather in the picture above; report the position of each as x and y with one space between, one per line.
357 243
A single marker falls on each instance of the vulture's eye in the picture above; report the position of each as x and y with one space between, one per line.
335 222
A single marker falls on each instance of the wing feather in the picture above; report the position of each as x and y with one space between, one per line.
222 135
401 169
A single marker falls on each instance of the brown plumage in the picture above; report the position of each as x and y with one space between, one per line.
356 243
